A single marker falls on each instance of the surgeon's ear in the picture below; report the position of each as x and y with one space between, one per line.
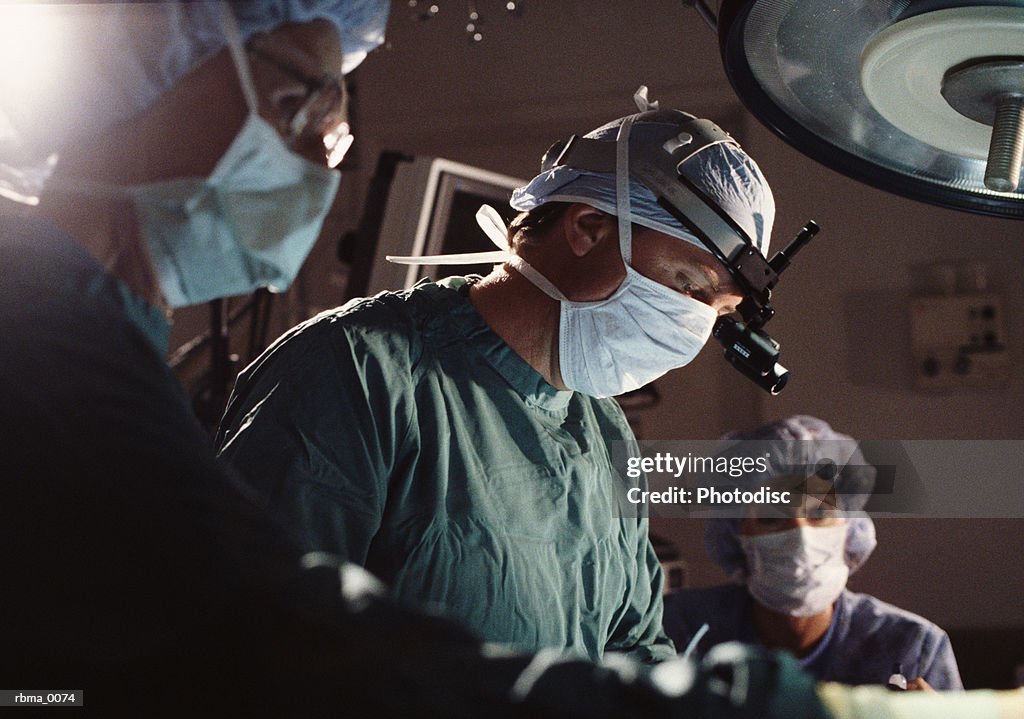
587 227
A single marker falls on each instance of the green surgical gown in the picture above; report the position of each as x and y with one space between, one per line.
401 433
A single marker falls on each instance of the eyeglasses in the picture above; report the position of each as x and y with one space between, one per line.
317 117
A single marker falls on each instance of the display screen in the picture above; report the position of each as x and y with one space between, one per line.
453 226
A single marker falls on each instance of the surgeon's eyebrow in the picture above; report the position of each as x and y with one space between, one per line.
699 273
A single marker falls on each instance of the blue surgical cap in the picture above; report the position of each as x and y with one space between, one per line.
723 172
107 62
360 23
809 444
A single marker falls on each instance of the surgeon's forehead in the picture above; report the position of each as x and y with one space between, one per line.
659 248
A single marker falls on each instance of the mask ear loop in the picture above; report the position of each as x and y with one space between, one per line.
622 207
622 204
235 45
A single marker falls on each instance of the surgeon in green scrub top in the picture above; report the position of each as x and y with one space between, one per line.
456 438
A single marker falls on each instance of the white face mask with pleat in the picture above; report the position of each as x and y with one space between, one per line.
621 343
799 571
250 224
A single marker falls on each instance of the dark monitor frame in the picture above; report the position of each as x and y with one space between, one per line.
423 206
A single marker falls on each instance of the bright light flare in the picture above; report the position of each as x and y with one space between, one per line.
336 143
31 40
31 35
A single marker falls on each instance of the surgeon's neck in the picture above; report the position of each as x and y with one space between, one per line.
799 635
106 228
523 316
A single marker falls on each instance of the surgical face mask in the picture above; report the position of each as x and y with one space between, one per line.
250 224
621 343
800 571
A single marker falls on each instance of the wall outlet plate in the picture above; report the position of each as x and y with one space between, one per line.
959 342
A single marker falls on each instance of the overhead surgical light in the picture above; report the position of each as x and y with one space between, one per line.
923 98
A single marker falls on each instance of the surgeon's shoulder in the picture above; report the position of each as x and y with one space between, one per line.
39 257
386 313
387 328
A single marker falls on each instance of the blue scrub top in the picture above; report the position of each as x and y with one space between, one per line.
401 433
864 640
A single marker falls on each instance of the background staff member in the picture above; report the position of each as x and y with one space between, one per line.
791 572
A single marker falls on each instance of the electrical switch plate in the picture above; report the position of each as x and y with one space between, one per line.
959 342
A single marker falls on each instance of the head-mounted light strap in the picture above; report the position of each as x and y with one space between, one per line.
622 203
657 167
235 46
